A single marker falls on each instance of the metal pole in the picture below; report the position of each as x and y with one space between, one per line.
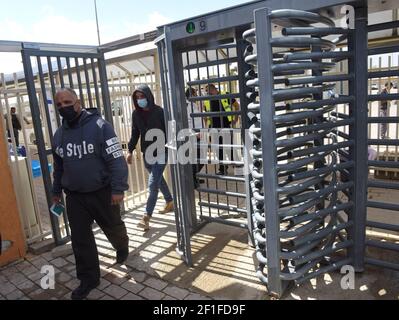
98 28
40 142
270 181
358 87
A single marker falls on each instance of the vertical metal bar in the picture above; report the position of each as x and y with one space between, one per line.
30 84
77 68
53 88
243 68
70 78
60 72
93 69
166 97
186 170
175 103
88 87
45 101
270 181
102 69
358 153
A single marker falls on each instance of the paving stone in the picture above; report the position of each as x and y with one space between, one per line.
40 262
62 251
71 259
115 279
42 247
73 284
115 291
30 270
132 297
63 277
59 262
133 286
138 276
17 278
169 298
106 297
152 294
47 256
176 292
35 277
27 286
40 294
195 296
70 268
23 265
9 271
15 295
95 295
67 296
156 283
59 291
103 284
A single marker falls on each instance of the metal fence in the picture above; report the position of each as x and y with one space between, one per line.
49 72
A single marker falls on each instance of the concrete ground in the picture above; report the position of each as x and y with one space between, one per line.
224 269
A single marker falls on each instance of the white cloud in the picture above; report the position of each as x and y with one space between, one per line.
154 20
55 28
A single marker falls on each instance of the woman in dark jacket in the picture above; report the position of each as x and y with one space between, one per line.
148 116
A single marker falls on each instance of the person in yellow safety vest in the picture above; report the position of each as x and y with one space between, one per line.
221 122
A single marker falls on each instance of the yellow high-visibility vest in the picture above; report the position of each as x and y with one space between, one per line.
226 106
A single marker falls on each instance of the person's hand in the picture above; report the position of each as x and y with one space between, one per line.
130 158
56 199
117 199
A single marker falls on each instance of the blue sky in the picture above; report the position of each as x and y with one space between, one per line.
73 21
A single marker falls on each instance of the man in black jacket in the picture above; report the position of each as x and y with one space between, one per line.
16 125
89 166
147 117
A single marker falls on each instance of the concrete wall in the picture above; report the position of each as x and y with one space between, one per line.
10 224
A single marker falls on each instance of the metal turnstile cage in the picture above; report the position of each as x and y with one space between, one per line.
302 84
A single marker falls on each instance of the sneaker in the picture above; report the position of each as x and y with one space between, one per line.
81 292
170 207
144 223
121 255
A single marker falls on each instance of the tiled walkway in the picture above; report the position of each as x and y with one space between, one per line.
22 280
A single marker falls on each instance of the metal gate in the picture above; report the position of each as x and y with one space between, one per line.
382 212
83 71
303 96
219 197
304 174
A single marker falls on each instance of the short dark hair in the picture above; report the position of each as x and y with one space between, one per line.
389 84
70 90
190 92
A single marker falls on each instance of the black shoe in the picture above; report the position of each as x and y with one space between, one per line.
121 255
81 292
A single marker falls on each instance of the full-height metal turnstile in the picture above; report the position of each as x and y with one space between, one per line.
302 83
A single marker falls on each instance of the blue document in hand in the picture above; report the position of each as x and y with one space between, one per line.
57 209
